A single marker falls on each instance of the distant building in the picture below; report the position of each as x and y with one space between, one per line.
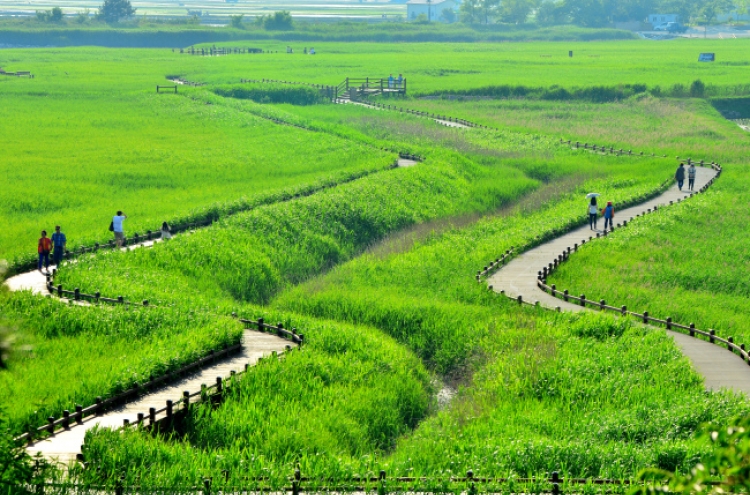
431 8
657 19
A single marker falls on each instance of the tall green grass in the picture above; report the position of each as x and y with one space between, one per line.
69 354
350 393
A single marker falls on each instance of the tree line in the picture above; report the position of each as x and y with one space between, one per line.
593 13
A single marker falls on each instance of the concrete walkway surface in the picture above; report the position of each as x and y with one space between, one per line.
719 367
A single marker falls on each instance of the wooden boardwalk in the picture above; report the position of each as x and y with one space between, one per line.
446 123
720 368
65 445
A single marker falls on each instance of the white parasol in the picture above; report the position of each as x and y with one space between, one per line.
592 195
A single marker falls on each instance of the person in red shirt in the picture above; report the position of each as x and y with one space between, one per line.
44 247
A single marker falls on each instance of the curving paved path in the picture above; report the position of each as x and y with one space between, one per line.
719 367
446 123
64 445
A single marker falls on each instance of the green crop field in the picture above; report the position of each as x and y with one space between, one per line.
409 365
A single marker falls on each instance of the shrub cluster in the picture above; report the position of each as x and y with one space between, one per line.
272 93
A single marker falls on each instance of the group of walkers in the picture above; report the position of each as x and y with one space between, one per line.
395 83
679 176
608 212
311 51
56 244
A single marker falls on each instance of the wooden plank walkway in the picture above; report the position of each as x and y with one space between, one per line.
36 281
446 123
719 368
65 445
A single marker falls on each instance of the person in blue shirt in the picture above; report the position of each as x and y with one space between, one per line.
117 228
609 215
59 241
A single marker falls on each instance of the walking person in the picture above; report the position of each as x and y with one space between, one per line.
399 81
679 176
166 231
117 228
593 212
691 176
609 215
43 248
390 81
59 242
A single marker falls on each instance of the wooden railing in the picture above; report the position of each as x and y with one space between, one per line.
181 81
470 484
80 414
23 73
419 113
326 91
690 329
213 51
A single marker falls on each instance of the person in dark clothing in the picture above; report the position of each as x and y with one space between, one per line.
59 241
609 215
679 176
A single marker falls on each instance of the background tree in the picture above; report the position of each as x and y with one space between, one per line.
448 15
550 12
114 10
516 11
686 9
278 21
82 16
53 15
236 21
468 12
708 11
634 10
587 13
487 10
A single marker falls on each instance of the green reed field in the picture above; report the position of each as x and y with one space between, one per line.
421 293
378 271
92 121
533 387
100 139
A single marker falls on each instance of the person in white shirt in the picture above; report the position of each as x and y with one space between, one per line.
593 213
117 228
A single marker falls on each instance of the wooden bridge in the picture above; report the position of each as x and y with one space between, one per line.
355 89
350 89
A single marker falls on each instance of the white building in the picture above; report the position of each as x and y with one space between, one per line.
430 8
657 19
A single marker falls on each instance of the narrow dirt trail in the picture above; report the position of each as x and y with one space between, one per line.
719 368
